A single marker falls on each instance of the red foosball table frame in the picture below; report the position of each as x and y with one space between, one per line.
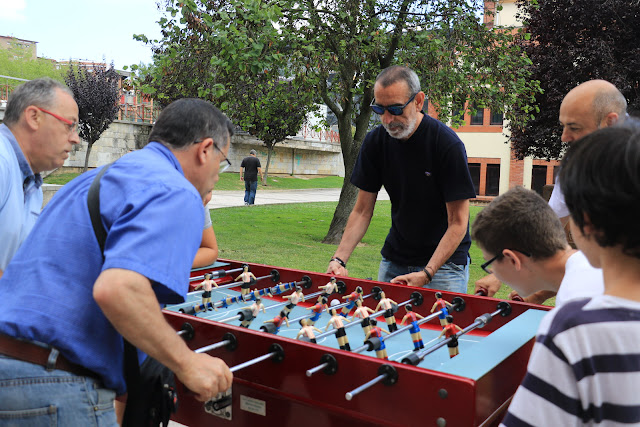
278 392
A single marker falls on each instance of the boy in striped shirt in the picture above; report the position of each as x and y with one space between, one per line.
585 366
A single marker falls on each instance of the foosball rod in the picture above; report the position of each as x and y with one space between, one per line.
280 304
216 274
386 373
231 285
276 353
415 358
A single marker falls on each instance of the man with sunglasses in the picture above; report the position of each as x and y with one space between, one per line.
61 345
38 132
525 246
423 166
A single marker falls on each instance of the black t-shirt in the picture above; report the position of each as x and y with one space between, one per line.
420 175
250 165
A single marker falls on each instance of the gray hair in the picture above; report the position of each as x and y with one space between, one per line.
397 73
40 92
609 100
253 152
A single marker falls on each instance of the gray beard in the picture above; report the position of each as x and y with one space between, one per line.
401 133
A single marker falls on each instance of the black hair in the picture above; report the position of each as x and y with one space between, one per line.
600 180
190 120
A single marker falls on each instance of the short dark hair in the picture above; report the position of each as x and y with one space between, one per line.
599 178
520 220
190 120
397 73
39 92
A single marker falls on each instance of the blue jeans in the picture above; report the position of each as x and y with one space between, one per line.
250 188
450 277
32 396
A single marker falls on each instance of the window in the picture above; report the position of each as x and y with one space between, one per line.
474 170
538 178
496 118
478 118
493 180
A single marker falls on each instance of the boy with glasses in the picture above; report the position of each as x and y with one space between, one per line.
585 365
423 166
524 245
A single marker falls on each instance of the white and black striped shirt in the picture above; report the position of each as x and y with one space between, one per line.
584 368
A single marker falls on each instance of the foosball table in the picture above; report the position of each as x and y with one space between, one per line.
348 370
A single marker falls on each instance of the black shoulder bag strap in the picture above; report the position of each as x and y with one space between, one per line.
131 367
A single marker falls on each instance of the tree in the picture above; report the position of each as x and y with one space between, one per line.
572 42
17 61
97 93
340 46
278 112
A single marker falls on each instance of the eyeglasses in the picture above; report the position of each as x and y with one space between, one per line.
225 167
394 110
71 125
489 270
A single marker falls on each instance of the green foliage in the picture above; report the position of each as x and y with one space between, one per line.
572 42
97 92
337 48
17 62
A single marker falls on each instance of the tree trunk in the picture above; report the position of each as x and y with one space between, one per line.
266 169
349 193
86 158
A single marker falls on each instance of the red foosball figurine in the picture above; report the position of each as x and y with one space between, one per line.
376 332
351 300
273 326
317 309
444 308
449 331
412 317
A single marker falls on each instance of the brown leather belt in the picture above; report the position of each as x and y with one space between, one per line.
50 358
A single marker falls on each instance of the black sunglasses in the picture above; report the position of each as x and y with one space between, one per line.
488 270
394 110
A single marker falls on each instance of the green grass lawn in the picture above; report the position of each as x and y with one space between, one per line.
290 236
231 181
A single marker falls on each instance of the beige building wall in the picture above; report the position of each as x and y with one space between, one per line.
507 16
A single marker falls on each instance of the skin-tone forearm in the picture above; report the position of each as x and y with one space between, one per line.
490 283
457 219
120 294
356 228
208 251
1 273
241 174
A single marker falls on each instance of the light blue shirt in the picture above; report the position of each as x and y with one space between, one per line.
20 196
153 217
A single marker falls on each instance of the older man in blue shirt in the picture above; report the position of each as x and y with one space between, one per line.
39 130
59 291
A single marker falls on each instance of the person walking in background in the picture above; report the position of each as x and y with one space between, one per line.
249 170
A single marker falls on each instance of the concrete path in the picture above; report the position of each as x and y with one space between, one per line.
226 199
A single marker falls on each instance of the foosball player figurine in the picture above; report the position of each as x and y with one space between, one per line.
351 300
390 307
273 326
376 332
248 279
449 331
225 303
330 287
444 308
413 317
306 331
206 285
258 293
317 309
363 312
248 314
338 323
295 297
